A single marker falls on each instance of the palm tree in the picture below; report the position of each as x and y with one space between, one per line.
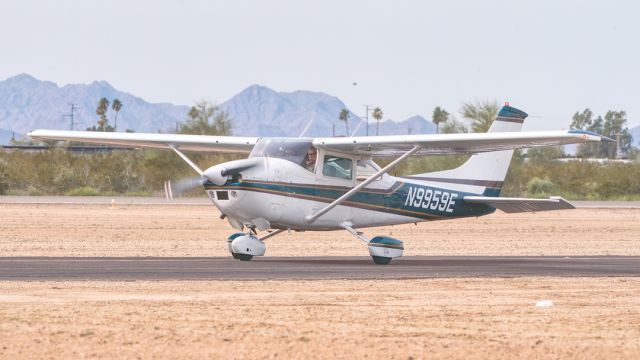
377 114
101 110
116 106
344 116
481 114
439 116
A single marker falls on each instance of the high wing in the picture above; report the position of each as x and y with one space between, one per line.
517 205
470 143
202 143
376 146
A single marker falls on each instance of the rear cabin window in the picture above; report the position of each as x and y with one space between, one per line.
364 169
337 167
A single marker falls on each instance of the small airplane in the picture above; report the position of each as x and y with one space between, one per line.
333 183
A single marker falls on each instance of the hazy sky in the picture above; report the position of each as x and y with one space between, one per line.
549 58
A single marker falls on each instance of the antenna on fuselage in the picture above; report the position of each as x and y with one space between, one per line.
306 128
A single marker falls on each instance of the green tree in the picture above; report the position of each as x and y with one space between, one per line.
453 126
377 114
481 114
344 116
582 120
613 125
116 106
439 116
101 111
205 118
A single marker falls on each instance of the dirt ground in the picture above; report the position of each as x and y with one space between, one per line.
400 319
136 230
420 319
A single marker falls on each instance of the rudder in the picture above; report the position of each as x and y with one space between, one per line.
483 173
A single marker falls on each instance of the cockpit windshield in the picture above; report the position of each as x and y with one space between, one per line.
294 150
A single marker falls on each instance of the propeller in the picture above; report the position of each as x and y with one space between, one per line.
183 185
217 174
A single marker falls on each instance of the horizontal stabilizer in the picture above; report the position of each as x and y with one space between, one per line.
516 205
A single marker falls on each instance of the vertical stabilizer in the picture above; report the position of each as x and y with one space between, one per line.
483 173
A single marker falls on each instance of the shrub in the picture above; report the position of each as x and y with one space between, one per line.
538 186
4 183
83 191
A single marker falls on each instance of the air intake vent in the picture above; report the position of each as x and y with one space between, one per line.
222 195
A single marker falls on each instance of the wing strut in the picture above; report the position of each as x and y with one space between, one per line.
311 218
187 160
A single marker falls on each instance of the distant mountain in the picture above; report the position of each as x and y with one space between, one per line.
413 125
261 111
27 103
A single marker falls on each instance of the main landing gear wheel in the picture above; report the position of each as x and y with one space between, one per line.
381 248
381 260
242 257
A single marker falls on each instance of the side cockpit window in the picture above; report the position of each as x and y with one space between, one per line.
337 167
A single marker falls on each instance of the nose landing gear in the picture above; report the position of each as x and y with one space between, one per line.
244 246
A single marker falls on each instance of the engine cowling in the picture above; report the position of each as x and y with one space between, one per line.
214 174
219 174
248 245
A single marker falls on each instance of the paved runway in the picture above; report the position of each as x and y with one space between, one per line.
311 268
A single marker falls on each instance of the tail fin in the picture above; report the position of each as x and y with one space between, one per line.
483 173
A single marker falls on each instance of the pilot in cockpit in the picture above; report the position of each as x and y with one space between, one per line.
309 162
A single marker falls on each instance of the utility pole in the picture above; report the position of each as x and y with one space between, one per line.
618 149
74 108
366 117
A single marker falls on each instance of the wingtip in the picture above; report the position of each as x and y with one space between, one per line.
590 135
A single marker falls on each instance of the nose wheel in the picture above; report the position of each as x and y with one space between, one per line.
244 246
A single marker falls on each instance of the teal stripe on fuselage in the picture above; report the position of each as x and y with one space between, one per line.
402 198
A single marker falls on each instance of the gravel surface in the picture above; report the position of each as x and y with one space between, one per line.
419 319
398 319
183 230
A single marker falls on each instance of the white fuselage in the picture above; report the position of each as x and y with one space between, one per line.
280 194
288 209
